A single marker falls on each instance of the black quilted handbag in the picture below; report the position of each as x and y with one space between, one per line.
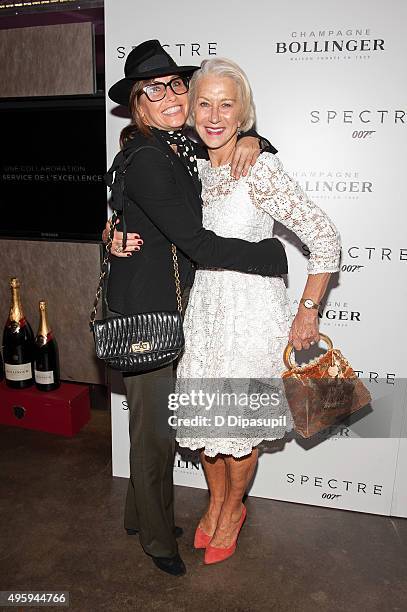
143 341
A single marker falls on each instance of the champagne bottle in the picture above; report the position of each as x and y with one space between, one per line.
18 343
46 368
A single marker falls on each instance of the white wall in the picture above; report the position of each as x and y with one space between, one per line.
339 121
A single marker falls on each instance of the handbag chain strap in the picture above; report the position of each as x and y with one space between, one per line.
104 271
176 278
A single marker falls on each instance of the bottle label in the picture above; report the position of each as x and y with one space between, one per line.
44 378
22 371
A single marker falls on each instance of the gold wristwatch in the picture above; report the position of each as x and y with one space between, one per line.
308 303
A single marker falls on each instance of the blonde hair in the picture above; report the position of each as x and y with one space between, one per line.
224 67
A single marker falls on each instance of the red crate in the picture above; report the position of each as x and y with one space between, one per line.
63 411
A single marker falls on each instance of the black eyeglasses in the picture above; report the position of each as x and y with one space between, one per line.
157 91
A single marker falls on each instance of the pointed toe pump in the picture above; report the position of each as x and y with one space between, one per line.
201 539
215 555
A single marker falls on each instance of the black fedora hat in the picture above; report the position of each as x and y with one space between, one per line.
145 61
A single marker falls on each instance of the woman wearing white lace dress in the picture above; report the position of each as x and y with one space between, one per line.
237 325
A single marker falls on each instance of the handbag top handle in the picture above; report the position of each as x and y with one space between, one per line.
289 349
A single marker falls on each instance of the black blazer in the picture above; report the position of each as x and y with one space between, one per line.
165 206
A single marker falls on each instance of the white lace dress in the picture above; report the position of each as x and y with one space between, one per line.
237 324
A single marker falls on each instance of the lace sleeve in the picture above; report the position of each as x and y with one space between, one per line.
275 192
201 163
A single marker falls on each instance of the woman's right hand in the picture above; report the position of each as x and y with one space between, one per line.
134 241
304 329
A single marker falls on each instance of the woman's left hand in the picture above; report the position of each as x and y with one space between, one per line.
245 155
304 329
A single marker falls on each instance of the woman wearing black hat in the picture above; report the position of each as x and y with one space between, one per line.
164 189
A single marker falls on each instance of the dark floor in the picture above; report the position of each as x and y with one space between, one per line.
61 528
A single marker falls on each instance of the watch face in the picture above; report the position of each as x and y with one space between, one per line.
308 303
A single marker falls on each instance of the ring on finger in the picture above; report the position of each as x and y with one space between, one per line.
119 249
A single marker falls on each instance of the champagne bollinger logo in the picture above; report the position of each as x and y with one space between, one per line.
334 184
332 44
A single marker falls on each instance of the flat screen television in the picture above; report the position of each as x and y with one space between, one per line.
52 166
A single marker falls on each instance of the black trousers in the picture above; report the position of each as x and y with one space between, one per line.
150 492
150 498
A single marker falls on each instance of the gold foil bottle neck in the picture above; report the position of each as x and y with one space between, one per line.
44 327
16 309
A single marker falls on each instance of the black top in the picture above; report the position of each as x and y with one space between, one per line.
165 206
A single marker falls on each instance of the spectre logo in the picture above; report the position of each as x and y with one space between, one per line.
178 49
335 485
364 117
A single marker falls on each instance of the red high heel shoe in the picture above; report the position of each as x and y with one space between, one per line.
215 555
201 539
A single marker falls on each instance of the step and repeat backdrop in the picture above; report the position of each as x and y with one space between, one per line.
330 93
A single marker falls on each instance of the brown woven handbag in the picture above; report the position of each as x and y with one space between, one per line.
323 392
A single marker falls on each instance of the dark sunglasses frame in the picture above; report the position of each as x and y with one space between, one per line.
184 79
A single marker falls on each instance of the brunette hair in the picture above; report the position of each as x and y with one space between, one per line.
137 124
